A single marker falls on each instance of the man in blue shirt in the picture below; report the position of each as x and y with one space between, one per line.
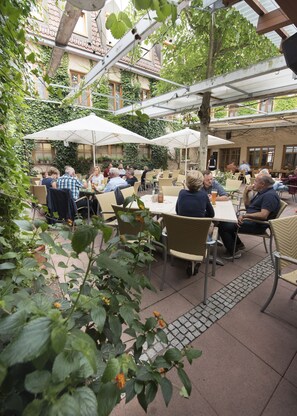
115 181
263 206
69 181
210 184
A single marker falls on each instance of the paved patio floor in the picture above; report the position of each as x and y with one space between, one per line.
249 359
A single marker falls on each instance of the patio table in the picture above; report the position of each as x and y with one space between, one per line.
224 210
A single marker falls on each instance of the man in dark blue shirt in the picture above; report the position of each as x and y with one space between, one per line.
264 206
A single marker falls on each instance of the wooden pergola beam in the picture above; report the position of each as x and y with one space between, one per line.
290 9
272 21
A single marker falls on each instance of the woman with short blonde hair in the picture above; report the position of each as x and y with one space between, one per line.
194 180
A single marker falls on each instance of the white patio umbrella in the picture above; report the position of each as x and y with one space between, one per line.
90 130
186 138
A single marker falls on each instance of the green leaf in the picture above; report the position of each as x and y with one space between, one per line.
138 387
65 363
111 370
127 313
184 379
107 397
13 323
118 30
183 393
150 323
141 4
82 342
110 21
150 338
166 387
173 354
24 225
129 390
192 353
34 408
58 338
7 266
115 327
82 238
151 391
65 406
125 19
162 336
9 255
3 372
140 341
37 381
98 315
87 401
32 341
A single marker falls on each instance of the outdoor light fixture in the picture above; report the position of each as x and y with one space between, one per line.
90 5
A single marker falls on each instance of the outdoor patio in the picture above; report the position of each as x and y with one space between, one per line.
249 359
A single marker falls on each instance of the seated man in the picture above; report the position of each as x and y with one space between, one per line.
115 181
210 184
263 206
69 181
130 178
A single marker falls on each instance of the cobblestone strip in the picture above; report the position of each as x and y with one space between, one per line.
192 324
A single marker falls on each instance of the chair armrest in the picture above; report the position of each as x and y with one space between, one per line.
81 198
257 221
285 258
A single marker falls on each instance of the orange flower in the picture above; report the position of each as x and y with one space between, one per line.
121 381
162 323
156 314
162 370
57 305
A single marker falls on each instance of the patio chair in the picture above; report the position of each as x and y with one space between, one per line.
61 206
40 194
292 189
123 192
265 235
165 174
136 187
171 190
175 174
181 179
164 182
105 201
284 231
132 230
187 239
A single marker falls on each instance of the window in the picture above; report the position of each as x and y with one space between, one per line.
115 99
81 25
290 157
144 151
84 151
145 94
261 157
84 98
43 153
229 155
116 151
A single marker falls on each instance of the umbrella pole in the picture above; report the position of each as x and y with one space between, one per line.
186 161
94 148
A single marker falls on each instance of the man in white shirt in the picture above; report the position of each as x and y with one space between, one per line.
115 180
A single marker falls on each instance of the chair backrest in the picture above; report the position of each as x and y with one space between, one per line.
126 227
284 231
34 179
60 201
165 174
292 186
171 190
282 207
175 174
236 175
233 184
136 186
248 179
164 182
181 179
123 192
106 200
187 234
149 176
105 180
40 193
